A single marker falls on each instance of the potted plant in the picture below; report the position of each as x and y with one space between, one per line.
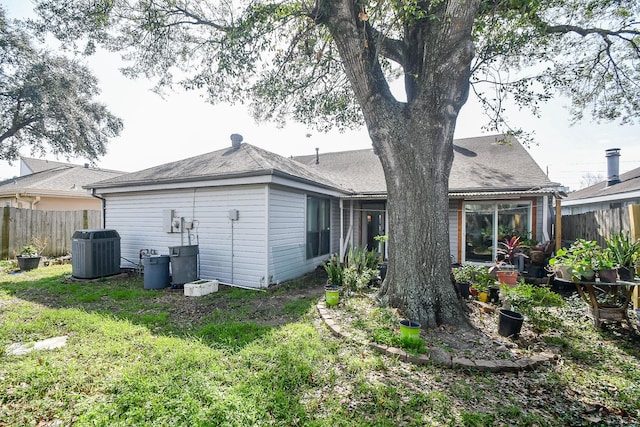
483 291
624 252
382 264
578 263
605 266
29 258
511 251
335 273
463 276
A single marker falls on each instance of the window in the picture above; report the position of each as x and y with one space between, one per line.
486 224
318 226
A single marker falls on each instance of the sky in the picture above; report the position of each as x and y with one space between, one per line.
181 125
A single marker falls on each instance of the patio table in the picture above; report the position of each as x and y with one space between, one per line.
606 301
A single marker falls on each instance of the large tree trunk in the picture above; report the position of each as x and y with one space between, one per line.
414 141
417 164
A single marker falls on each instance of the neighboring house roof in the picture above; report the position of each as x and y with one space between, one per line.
62 180
244 161
628 187
29 165
496 163
480 165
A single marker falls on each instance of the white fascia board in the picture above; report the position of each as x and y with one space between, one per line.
305 186
247 180
52 193
619 197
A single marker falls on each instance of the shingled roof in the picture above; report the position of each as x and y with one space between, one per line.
244 161
61 179
30 165
629 182
484 164
496 163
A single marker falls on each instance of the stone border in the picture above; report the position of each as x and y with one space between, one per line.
437 355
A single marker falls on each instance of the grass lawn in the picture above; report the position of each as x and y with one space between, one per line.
254 358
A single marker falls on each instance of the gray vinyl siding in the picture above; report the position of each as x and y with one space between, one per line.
539 225
229 252
287 225
453 229
335 227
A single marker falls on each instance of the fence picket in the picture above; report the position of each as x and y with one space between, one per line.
596 225
20 226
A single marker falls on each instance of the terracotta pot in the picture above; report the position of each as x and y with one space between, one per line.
508 277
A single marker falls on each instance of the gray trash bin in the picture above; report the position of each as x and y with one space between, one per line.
184 264
156 271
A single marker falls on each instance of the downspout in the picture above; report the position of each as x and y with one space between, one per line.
25 199
342 244
558 233
104 206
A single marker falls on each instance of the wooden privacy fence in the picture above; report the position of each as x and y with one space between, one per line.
600 225
21 227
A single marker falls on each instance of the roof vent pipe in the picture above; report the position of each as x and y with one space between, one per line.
236 140
613 166
317 155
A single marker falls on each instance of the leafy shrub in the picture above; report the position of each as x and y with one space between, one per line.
526 296
334 270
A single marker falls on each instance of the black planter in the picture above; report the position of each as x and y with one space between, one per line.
463 288
382 266
27 263
494 295
626 273
510 323
608 276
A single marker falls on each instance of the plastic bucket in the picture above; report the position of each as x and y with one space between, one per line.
509 323
409 329
332 295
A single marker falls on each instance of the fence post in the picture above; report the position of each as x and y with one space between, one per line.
634 222
558 223
6 219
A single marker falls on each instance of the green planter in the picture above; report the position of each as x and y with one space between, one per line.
332 295
409 329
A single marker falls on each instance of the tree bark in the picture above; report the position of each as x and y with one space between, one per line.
414 141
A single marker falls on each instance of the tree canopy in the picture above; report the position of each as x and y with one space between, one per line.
47 101
280 57
332 62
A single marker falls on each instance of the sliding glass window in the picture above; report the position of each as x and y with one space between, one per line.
318 226
486 224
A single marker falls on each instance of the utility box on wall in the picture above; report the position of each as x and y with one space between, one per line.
170 223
